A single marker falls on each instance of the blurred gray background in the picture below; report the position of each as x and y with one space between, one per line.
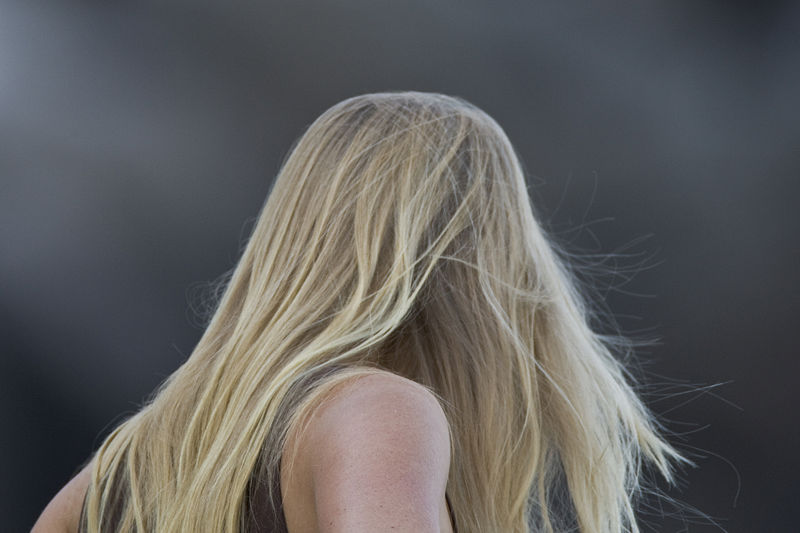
138 141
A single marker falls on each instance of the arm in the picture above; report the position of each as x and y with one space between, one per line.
62 513
375 457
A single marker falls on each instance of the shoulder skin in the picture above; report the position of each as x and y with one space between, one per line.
374 457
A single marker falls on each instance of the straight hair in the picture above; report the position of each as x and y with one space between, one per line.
398 236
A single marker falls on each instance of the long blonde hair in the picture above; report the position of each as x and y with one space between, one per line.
399 235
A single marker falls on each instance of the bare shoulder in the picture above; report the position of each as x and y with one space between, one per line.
375 456
381 403
63 512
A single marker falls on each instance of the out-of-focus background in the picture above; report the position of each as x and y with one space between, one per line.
138 141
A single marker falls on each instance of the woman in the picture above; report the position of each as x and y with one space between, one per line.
399 348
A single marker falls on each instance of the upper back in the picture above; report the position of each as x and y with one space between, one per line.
367 450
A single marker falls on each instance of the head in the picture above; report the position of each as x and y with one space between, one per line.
389 205
399 235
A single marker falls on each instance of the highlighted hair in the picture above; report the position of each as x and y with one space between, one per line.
399 235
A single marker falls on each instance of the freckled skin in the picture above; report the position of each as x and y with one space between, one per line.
375 458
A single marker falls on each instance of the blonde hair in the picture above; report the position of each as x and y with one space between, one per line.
399 235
